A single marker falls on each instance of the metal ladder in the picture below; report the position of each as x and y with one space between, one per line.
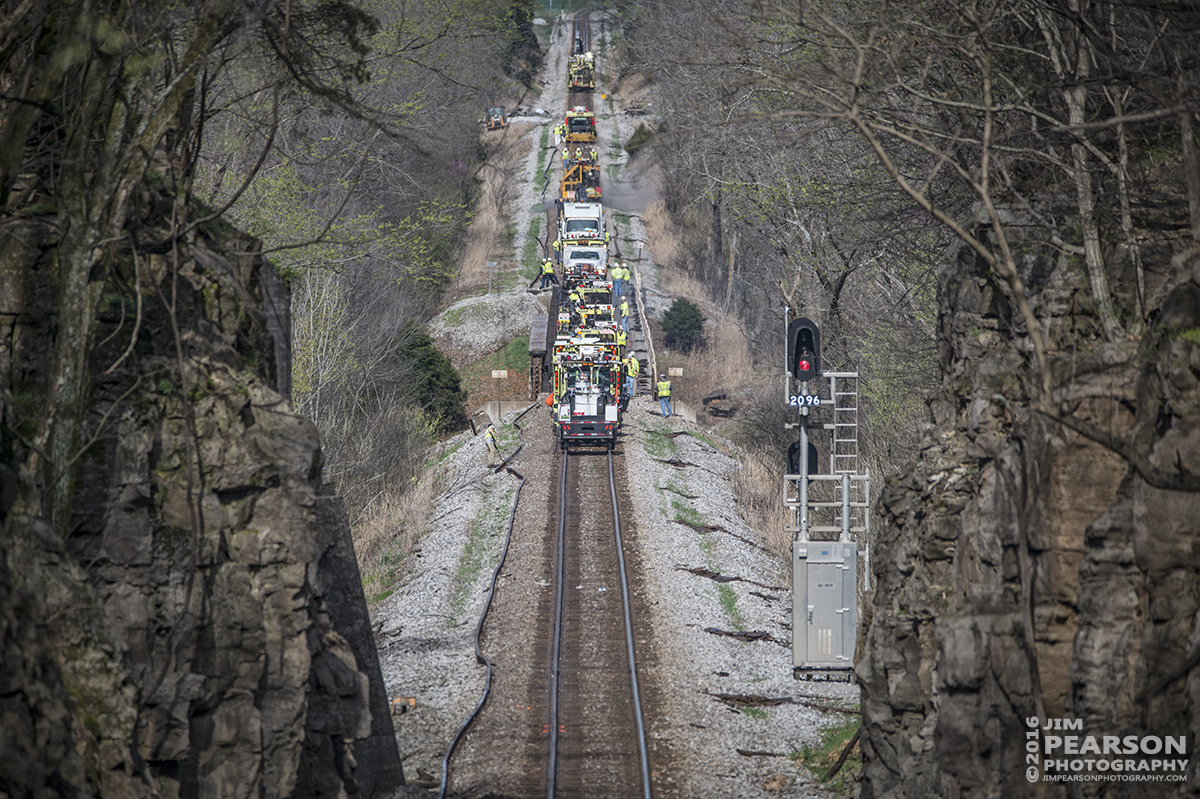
843 390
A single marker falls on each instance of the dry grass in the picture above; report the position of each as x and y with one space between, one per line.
759 490
387 531
486 238
725 363
662 230
385 534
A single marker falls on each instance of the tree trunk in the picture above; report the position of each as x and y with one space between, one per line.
729 276
1191 171
717 243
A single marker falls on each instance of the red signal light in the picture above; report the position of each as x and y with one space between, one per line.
804 367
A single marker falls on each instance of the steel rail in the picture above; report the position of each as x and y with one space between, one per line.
556 634
626 605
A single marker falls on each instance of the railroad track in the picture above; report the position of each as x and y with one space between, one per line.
566 711
597 743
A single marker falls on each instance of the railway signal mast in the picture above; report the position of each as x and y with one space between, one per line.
830 516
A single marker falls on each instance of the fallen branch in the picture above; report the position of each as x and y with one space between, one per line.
756 700
841 761
716 528
755 635
721 578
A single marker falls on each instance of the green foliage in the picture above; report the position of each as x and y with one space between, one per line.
523 55
285 211
435 381
683 324
1192 335
642 135
820 759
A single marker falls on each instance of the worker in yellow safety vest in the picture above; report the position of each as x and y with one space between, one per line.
622 336
548 275
557 246
625 315
493 446
632 367
663 387
619 275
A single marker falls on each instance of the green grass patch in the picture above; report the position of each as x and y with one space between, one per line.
476 553
430 463
755 713
728 599
1192 335
658 445
820 759
683 513
513 355
546 157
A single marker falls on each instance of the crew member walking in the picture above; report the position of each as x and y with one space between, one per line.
493 447
664 395
625 315
631 372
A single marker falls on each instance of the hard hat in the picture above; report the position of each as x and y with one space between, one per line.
662 377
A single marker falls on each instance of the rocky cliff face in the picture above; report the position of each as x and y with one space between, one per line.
200 630
1024 570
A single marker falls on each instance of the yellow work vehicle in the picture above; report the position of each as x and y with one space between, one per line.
581 125
581 182
581 73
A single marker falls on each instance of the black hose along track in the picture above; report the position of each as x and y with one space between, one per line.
479 656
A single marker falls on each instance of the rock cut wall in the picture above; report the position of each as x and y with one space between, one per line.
200 629
1024 570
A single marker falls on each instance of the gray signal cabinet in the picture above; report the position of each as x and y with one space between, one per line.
824 605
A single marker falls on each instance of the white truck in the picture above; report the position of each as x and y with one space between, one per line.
584 262
581 223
